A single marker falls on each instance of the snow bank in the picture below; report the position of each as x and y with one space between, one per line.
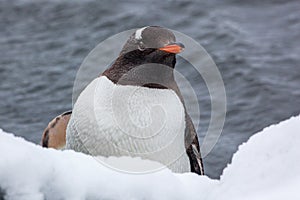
266 167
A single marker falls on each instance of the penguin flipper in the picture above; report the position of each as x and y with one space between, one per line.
192 147
54 135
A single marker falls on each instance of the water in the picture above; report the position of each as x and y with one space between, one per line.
255 45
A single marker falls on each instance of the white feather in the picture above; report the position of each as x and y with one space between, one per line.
118 120
138 33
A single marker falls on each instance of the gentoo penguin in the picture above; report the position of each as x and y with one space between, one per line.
135 108
54 135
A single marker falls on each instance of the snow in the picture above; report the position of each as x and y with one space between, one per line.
266 167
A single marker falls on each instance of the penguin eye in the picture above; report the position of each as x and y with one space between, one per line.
141 46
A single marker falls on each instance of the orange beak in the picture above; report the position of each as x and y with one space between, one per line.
173 48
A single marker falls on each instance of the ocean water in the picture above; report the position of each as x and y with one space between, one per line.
255 44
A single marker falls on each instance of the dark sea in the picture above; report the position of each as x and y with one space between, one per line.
255 44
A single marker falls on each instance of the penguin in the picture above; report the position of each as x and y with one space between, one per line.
54 135
135 108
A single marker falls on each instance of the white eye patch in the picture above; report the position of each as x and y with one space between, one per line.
138 33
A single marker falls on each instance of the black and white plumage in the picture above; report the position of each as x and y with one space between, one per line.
135 107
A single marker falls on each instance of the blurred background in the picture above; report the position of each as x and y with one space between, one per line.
255 44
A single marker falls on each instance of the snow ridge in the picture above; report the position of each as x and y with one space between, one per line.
266 167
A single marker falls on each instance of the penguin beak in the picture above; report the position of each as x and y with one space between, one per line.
173 48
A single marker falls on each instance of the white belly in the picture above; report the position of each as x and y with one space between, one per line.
115 120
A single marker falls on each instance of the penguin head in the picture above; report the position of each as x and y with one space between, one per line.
149 55
152 44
